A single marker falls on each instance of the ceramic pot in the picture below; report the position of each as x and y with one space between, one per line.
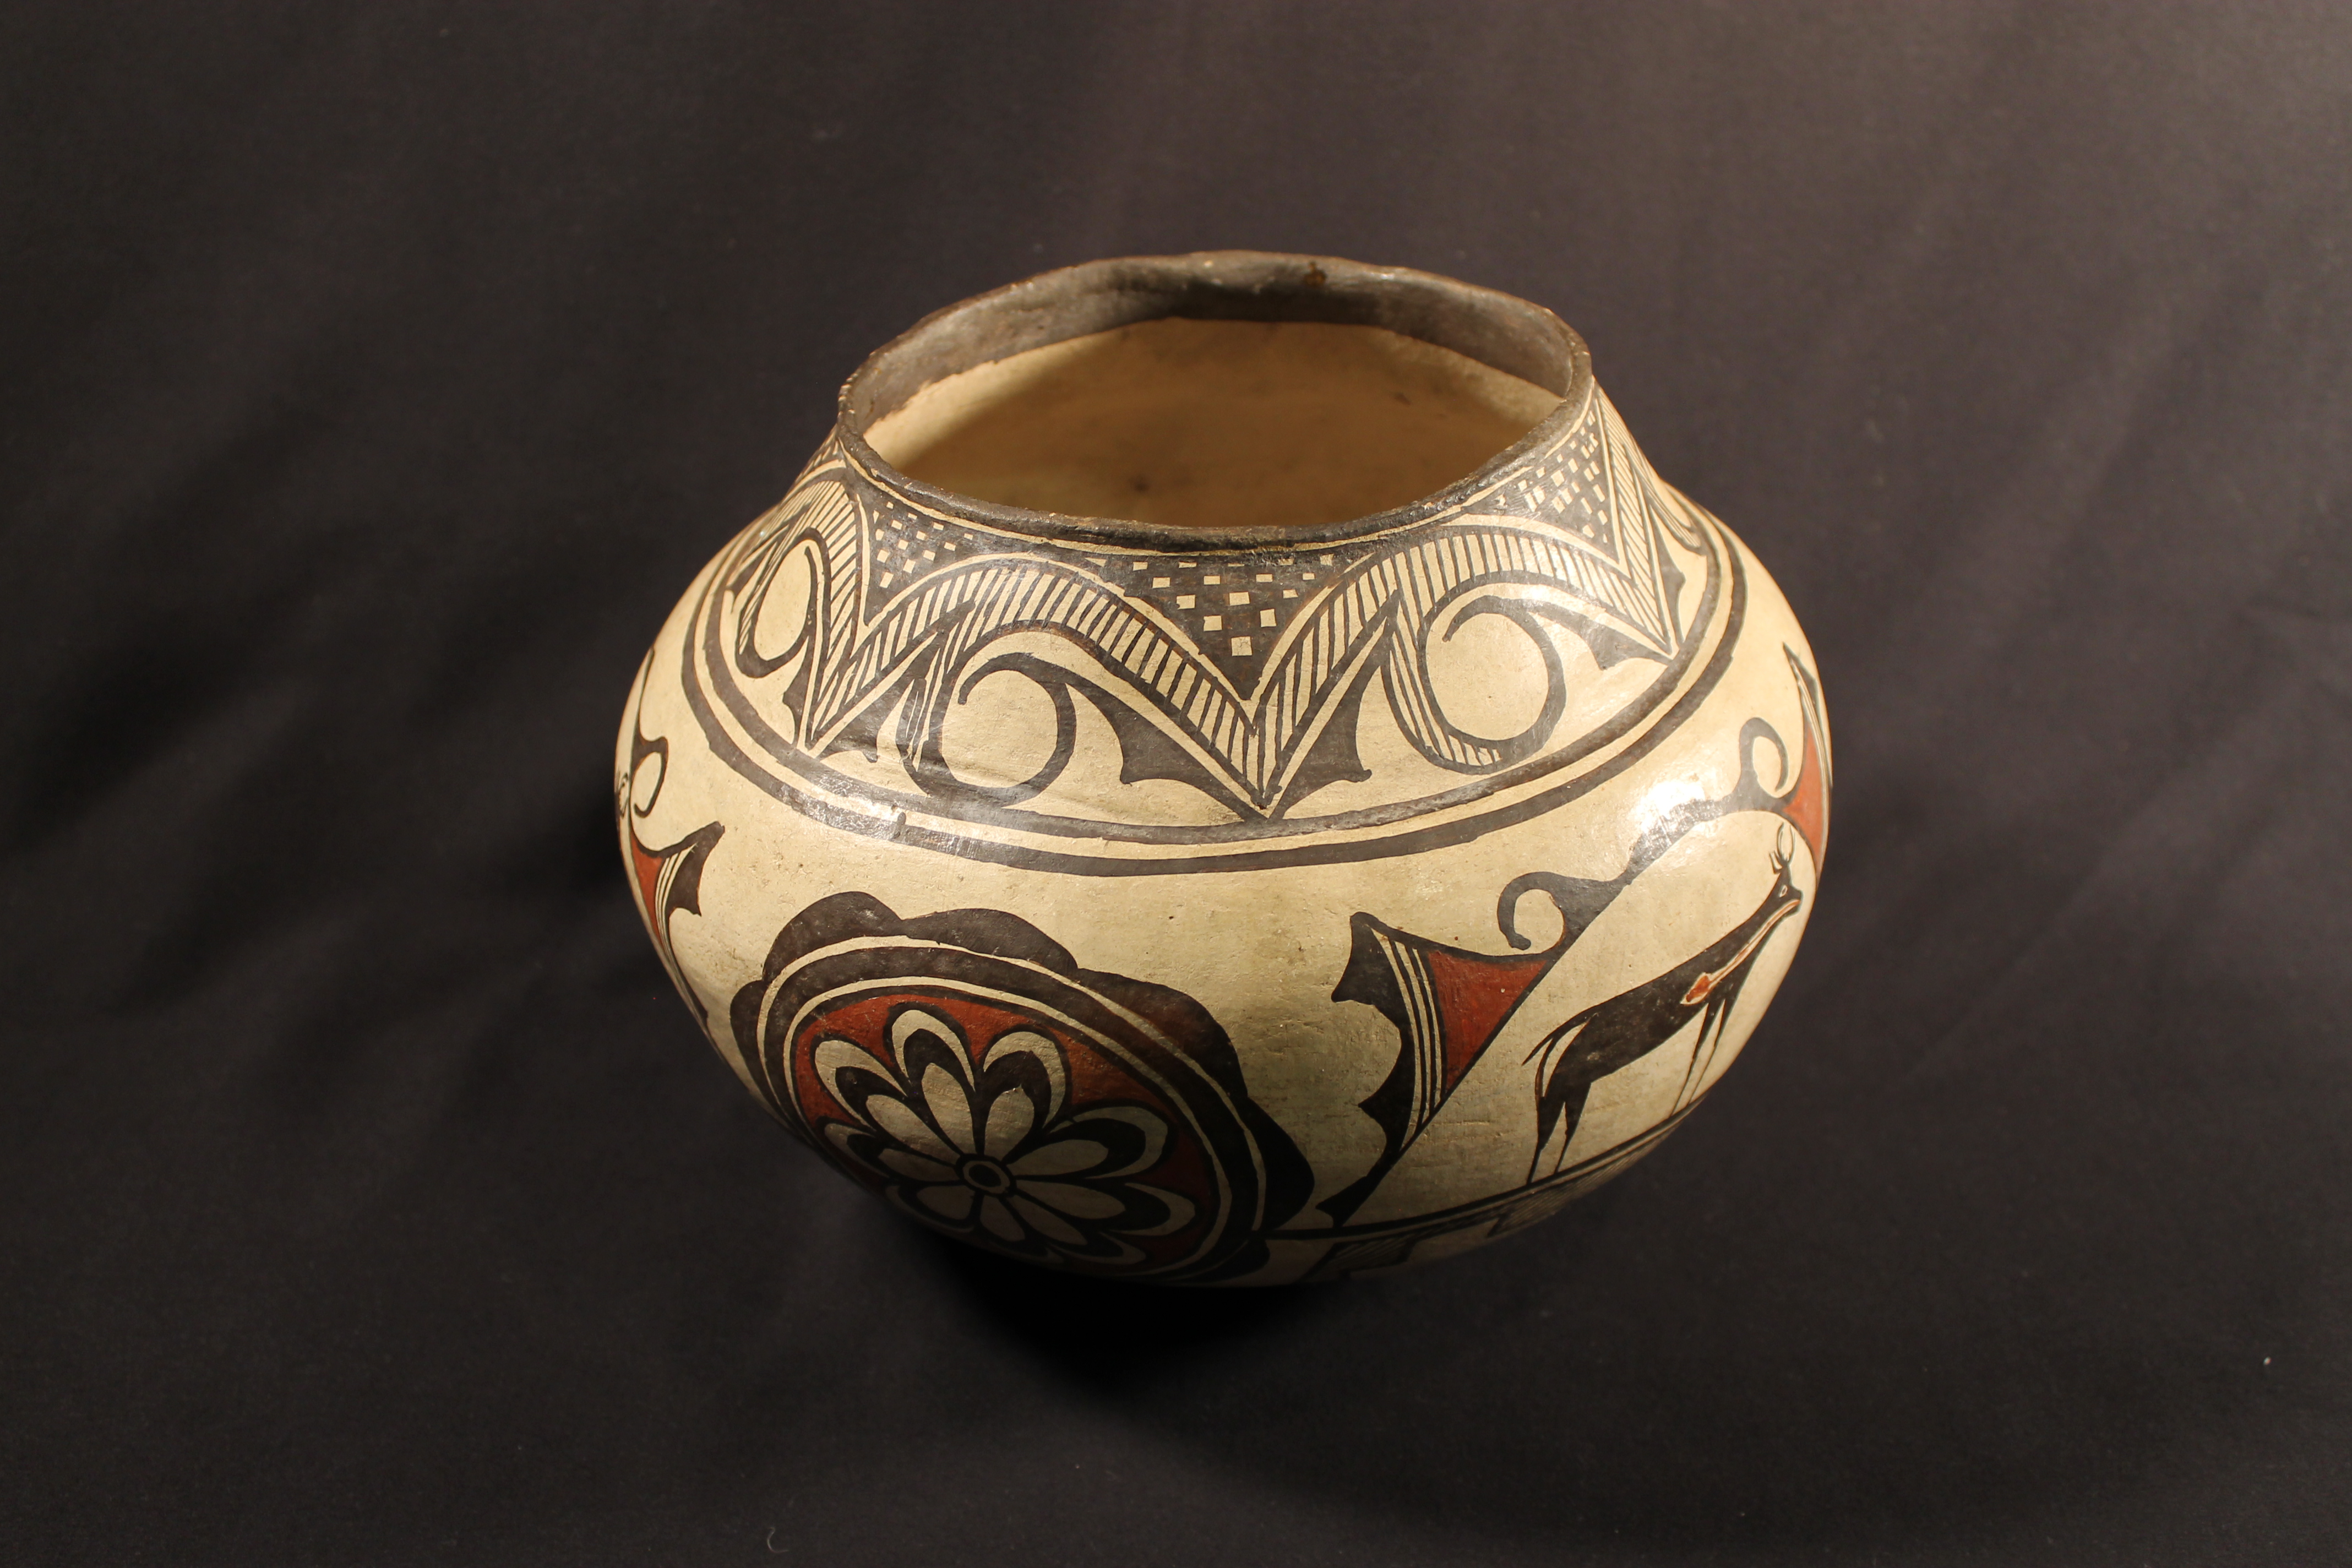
1228 769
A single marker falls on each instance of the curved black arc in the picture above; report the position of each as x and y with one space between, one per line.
1725 562
1527 743
1442 835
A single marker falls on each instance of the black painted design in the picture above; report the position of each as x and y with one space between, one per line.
965 1067
1626 1028
668 881
1448 1003
1357 1250
837 641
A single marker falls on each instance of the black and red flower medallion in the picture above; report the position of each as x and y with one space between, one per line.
963 1066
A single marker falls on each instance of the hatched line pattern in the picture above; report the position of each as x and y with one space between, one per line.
901 603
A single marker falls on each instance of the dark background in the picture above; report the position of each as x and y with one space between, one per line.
372 380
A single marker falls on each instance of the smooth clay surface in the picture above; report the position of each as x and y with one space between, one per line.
1211 910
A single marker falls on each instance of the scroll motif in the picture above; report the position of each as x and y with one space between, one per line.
1293 693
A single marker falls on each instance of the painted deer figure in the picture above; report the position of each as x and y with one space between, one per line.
1629 1026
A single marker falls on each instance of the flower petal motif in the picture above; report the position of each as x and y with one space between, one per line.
1137 1138
919 1036
1063 1157
1052 1227
950 1105
917 1167
949 1202
892 1119
1086 1203
1010 1116
1180 1210
1043 1056
997 1151
1000 1221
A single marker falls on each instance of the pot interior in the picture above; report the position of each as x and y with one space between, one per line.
1195 424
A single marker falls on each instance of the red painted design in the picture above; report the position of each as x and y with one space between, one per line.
1475 996
647 866
965 1068
1807 804
669 883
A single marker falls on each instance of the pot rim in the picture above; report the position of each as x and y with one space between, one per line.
1500 331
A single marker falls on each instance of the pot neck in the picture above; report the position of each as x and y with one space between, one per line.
1496 329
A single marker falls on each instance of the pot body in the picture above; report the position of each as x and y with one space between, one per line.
1230 908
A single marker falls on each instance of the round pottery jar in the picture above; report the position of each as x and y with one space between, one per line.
1228 769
